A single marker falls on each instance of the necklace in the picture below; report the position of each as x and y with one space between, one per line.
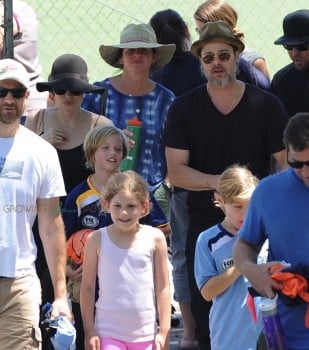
217 100
233 103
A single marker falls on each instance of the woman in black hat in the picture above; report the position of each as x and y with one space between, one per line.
66 124
65 127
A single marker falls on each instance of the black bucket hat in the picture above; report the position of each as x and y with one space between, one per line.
69 72
295 29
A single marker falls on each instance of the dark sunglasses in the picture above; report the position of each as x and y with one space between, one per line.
303 47
62 92
223 56
297 164
16 93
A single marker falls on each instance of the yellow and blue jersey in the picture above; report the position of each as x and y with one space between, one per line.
83 209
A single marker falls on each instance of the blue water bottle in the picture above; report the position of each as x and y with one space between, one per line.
272 326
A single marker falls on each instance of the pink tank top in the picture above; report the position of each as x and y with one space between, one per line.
125 309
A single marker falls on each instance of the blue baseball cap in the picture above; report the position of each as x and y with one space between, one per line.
65 335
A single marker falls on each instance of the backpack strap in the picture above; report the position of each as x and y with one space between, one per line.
103 98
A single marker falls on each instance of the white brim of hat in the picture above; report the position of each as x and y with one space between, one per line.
20 78
111 53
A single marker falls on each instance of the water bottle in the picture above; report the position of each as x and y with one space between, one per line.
272 326
130 162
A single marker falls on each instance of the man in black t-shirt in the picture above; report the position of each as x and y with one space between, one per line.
220 123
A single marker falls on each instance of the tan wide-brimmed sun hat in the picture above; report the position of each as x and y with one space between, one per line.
136 36
216 31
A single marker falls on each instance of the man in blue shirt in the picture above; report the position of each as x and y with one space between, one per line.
278 211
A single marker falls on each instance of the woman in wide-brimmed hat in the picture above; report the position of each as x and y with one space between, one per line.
66 124
132 93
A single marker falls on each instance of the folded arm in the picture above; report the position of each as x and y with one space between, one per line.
181 175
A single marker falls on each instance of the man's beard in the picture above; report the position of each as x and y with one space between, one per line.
9 118
222 82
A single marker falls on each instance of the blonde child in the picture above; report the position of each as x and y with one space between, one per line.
218 280
130 260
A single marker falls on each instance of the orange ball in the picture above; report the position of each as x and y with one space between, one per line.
76 244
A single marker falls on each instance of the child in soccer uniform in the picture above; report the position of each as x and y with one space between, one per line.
83 207
230 322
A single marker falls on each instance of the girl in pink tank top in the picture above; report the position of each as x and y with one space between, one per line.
130 261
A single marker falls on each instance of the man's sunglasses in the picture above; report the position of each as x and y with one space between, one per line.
297 164
303 47
223 56
62 92
16 93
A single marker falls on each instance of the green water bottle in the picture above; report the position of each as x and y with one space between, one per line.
130 162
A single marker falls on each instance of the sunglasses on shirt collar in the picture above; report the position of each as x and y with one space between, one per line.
302 47
63 91
16 93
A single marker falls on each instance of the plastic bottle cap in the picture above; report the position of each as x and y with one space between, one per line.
268 304
134 121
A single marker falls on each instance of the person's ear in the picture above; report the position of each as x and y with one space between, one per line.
106 205
145 208
219 200
51 100
154 58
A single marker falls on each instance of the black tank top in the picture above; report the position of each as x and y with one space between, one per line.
73 167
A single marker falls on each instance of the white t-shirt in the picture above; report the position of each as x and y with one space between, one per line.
29 169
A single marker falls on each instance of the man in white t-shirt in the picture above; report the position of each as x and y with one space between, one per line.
30 185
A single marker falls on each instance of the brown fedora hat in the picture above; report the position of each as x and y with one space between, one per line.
216 31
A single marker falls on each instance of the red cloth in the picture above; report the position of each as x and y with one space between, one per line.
294 285
251 307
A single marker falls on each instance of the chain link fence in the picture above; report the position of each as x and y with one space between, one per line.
81 26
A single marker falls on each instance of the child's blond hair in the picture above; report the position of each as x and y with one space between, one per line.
236 183
96 137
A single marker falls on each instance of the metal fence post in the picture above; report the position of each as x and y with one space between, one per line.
8 29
